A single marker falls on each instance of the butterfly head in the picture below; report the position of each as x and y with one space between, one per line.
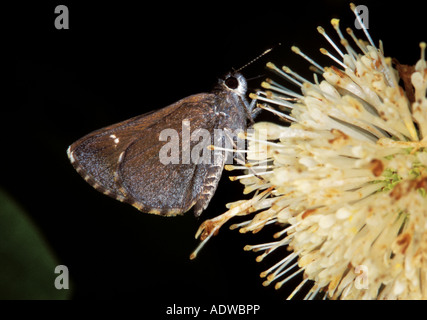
234 82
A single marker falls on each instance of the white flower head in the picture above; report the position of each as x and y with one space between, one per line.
347 178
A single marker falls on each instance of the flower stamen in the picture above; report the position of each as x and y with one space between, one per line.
311 61
325 35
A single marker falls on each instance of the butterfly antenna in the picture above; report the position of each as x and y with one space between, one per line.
256 77
256 58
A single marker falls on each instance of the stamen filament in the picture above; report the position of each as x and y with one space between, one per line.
326 53
311 61
283 74
281 283
297 289
325 35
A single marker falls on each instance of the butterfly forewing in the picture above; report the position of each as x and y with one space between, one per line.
123 161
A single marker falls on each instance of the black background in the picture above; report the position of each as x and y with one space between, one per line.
119 60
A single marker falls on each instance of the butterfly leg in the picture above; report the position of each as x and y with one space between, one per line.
251 110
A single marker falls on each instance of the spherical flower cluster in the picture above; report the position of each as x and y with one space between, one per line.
347 178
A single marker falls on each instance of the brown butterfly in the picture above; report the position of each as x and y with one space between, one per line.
124 160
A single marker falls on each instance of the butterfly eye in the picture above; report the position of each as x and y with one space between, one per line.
232 82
